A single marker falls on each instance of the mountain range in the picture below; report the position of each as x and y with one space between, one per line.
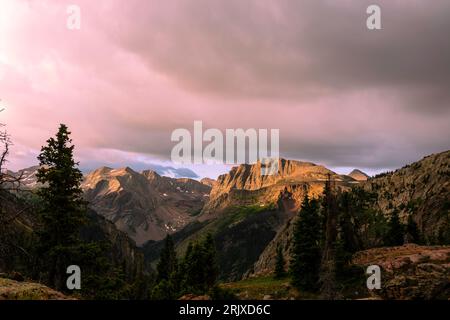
147 206
249 215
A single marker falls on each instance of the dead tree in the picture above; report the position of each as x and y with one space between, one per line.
10 186
8 181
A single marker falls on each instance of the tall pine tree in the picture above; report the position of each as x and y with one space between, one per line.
63 210
197 272
395 233
328 263
167 280
211 264
412 231
199 269
168 262
305 262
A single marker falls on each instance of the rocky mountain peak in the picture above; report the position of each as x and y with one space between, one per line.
245 184
250 177
358 175
151 175
102 170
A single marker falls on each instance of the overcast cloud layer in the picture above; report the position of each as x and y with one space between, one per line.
341 95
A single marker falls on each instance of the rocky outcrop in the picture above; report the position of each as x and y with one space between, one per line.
410 271
145 205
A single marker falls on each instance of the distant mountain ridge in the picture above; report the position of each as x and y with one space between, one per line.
162 170
28 176
145 205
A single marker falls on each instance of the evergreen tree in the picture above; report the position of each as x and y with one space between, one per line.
443 234
199 268
346 243
395 233
330 212
187 269
412 231
279 265
342 258
211 265
63 209
101 280
168 278
168 263
306 249
346 222
197 273
163 290
195 280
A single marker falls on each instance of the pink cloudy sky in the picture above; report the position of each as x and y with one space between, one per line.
341 95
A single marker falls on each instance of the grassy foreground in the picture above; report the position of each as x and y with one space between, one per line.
266 288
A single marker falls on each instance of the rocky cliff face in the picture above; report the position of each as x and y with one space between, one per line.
145 205
421 189
245 185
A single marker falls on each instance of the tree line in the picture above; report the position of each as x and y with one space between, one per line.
196 272
330 229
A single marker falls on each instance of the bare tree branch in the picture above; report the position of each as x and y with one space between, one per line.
8 181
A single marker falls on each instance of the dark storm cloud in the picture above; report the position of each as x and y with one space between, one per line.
340 94
297 49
